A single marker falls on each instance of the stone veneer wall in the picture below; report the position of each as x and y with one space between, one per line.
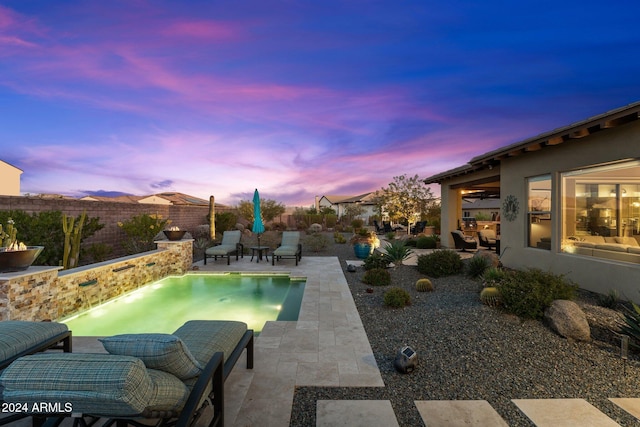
46 293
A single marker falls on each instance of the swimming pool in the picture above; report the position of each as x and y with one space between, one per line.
167 304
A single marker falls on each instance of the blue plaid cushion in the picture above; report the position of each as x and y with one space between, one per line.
17 336
206 337
158 351
97 384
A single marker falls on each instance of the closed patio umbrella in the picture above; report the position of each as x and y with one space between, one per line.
258 226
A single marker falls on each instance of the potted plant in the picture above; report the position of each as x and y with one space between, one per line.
14 255
364 242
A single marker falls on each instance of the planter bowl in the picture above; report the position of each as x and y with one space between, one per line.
11 261
174 235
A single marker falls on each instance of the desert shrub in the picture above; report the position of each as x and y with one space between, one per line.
426 242
376 260
397 298
528 293
477 266
357 223
377 277
338 237
442 262
99 252
316 242
225 221
492 276
330 220
45 229
424 285
141 231
411 242
397 251
390 235
315 228
609 300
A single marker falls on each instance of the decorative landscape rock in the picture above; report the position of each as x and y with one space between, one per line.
567 319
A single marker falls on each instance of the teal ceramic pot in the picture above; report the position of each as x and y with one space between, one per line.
362 250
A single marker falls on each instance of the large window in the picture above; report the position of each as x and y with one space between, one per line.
539 211
601 211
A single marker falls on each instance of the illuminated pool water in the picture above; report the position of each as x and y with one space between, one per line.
165 305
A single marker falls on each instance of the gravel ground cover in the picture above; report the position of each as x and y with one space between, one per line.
468 351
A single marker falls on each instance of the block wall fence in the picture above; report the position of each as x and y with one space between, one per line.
110 213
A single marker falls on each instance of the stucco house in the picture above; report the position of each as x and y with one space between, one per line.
340 204
570 200
9 179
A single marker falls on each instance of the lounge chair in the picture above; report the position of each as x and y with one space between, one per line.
418 227
290 247
487 238
463 242
379 230
387 227
19 338
161 378
230 244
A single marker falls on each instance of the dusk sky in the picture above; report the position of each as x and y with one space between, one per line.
295 98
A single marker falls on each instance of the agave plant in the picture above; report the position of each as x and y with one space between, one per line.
397 251
632 325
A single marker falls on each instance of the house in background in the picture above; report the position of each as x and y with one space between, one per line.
481 209
570 200
9 179
168 198
341 203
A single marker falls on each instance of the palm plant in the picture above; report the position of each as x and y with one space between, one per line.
397 251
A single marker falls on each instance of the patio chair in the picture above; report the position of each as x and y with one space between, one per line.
230 244
19 338
387 227
487 238
379 230
165 379
290 247
463 242
418 227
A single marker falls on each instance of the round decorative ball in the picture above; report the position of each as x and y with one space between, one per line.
424 285
351 268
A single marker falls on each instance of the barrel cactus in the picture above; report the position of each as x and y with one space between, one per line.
424 285
491 296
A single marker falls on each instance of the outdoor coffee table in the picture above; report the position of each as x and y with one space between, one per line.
260 250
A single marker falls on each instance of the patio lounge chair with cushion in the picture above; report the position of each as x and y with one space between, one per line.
164 378
289 248
230 244
463 242
19 338
487 238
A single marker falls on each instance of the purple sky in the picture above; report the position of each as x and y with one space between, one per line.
295 98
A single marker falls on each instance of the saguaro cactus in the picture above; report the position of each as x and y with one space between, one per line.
72 239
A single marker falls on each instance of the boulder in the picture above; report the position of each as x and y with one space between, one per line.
568 320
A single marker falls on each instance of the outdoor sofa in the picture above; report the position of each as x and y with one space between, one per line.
230 245
167 379
487 238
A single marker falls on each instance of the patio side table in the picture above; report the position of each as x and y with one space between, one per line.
260 250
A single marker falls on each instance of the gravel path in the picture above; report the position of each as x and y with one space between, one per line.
468 351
